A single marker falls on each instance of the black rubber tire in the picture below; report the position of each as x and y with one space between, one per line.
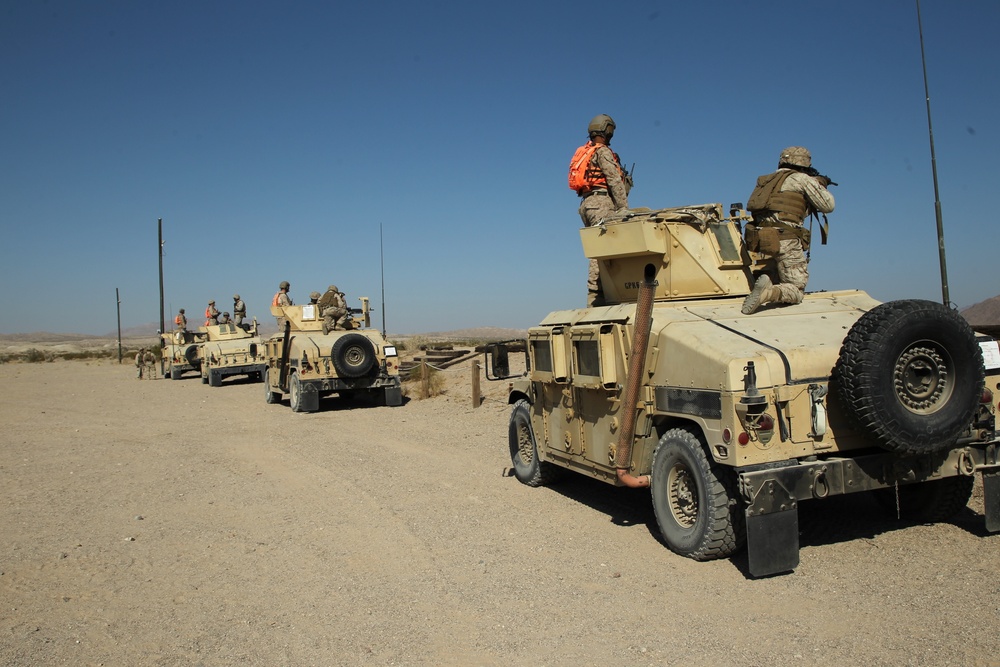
191 354
695 500
524 449
270 397
910 376
353 356
932 501
294 392
167 373
214 378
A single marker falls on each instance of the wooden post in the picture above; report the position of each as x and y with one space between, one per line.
425 380
477 399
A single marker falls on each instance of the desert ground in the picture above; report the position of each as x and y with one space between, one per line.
169 523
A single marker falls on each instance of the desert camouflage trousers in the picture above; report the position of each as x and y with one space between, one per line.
593 209
793 272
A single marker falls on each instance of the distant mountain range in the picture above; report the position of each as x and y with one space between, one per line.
984 316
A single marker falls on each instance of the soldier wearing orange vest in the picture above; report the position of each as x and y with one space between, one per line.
211 314
596 175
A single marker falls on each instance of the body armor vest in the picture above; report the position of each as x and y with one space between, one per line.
768 199
584 176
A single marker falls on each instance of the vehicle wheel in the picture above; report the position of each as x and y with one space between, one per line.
353 356
294 393
931 501
214 378
191 354
270 396
524 450
910 375
167 373
694 500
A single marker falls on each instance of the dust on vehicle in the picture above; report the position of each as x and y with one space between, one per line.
733 419
231 350
305 364
180 351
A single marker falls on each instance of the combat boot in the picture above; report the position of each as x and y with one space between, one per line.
762 293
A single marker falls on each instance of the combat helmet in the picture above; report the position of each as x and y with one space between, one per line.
601 124
314 295
284 285
236 297
333 288
796 156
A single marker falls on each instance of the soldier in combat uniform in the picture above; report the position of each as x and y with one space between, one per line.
282 299
239 310
149 361
597 177
333 308
779 203
139 362
211 314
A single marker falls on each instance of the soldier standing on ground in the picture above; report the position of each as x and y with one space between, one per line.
282 299
239 310
333 308
779 204
149 360
211 314
596 175
139 362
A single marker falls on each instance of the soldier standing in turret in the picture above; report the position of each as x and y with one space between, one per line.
239 310
779 204
282 299
597 176
211 314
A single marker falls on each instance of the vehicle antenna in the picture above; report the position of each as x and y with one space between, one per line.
381 259
937 197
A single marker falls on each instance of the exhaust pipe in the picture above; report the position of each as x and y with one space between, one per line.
637 364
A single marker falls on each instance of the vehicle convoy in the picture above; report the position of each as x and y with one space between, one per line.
732 419
181 352
231 350
305 364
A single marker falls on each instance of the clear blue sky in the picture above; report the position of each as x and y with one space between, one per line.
274 139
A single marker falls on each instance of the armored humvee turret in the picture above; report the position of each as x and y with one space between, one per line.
306 364
180 352
732 419
231 350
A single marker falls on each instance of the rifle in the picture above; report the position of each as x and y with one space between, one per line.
812 171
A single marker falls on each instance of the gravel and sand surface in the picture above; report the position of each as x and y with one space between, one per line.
169 523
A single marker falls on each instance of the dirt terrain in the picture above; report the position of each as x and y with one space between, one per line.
169 523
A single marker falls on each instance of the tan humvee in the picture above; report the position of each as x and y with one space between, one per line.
180 352
735 419
231 350
306 364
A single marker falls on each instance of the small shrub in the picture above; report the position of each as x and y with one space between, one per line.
33 356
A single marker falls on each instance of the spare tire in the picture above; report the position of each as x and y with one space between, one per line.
353 356
191 354
910 376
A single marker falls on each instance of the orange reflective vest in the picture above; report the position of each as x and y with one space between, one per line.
274 301
180 321
584 176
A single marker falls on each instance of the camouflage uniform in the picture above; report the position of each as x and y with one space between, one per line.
333 308
282 299
599 205
239 310
793 267
211 314
149 360
139 361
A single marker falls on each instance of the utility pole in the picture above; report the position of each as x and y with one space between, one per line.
159 250
118 304
937 196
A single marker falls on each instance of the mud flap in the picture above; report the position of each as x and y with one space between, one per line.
773 543
308 398
991 500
